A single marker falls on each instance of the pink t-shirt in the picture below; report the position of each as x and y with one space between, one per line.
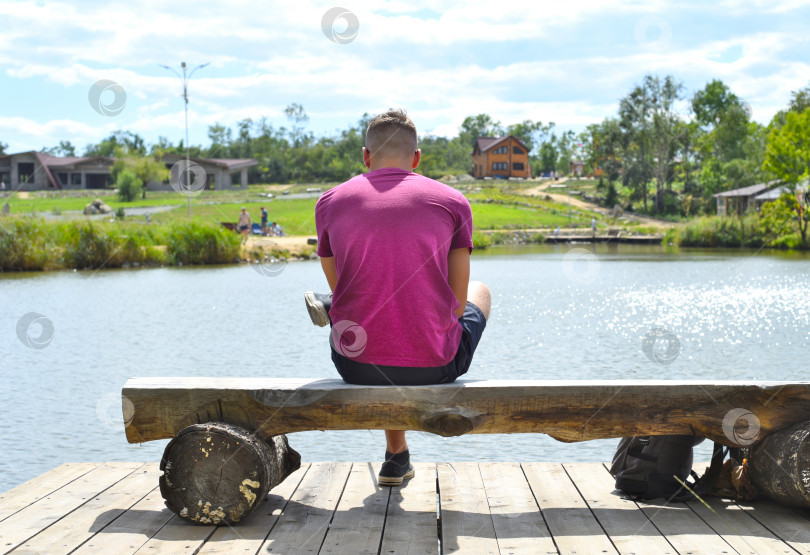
390 232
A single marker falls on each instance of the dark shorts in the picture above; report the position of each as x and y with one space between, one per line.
361 373
243 227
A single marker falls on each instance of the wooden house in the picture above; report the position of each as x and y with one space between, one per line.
502 157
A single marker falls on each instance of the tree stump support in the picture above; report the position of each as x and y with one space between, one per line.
217 473
780 465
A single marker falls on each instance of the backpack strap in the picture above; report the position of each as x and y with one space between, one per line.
705 483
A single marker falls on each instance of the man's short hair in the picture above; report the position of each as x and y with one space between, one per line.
391 133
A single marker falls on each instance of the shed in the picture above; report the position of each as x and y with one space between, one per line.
739 201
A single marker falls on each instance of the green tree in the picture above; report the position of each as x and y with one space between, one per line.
635 116
128 186
481 125
787 156
146 168
777 216
612 196
724 116
129 142
799 100
65 148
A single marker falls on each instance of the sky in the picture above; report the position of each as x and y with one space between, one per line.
79 71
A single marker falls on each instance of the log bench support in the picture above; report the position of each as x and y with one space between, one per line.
218 473
229 448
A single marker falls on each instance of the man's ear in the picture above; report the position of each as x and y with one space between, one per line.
417 156
366 158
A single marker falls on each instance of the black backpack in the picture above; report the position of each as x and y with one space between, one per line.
645 467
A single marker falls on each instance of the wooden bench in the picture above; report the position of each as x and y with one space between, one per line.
229 446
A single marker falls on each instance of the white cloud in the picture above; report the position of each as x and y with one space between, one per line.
265 57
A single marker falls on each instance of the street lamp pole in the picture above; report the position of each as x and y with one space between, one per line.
184 79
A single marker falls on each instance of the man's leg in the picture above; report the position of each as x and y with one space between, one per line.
479 295
395 441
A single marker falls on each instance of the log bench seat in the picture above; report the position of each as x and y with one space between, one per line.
229 446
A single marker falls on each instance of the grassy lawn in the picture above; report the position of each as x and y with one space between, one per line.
505 216
296 216
47 201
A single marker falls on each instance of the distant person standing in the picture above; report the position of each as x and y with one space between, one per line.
593 227
264 221
244 225
2 184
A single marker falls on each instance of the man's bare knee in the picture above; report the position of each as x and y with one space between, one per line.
479 295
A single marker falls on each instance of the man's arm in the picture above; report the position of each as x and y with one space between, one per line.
328 265
458 275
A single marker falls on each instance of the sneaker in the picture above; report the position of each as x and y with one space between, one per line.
318 305
395 469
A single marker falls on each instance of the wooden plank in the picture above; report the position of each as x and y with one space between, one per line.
566 410
304 522
36 488
740 530
463 509
625 524
519 524
571 522
411 526
249 536
177 536
35 517
357 525
790 525
686 531
77 527
128 532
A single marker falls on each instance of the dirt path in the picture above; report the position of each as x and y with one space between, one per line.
542 191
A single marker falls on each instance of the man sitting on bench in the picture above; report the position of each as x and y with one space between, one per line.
395 247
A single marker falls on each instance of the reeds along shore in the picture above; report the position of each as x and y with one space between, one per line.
33 244
748 231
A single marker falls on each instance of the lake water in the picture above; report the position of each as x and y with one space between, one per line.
559 312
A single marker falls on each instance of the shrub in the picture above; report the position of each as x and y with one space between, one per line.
23 244
481 240
194 243
719 231
128 185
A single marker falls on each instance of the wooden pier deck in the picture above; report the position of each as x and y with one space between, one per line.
112 508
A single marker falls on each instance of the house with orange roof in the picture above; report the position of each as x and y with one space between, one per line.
502 157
